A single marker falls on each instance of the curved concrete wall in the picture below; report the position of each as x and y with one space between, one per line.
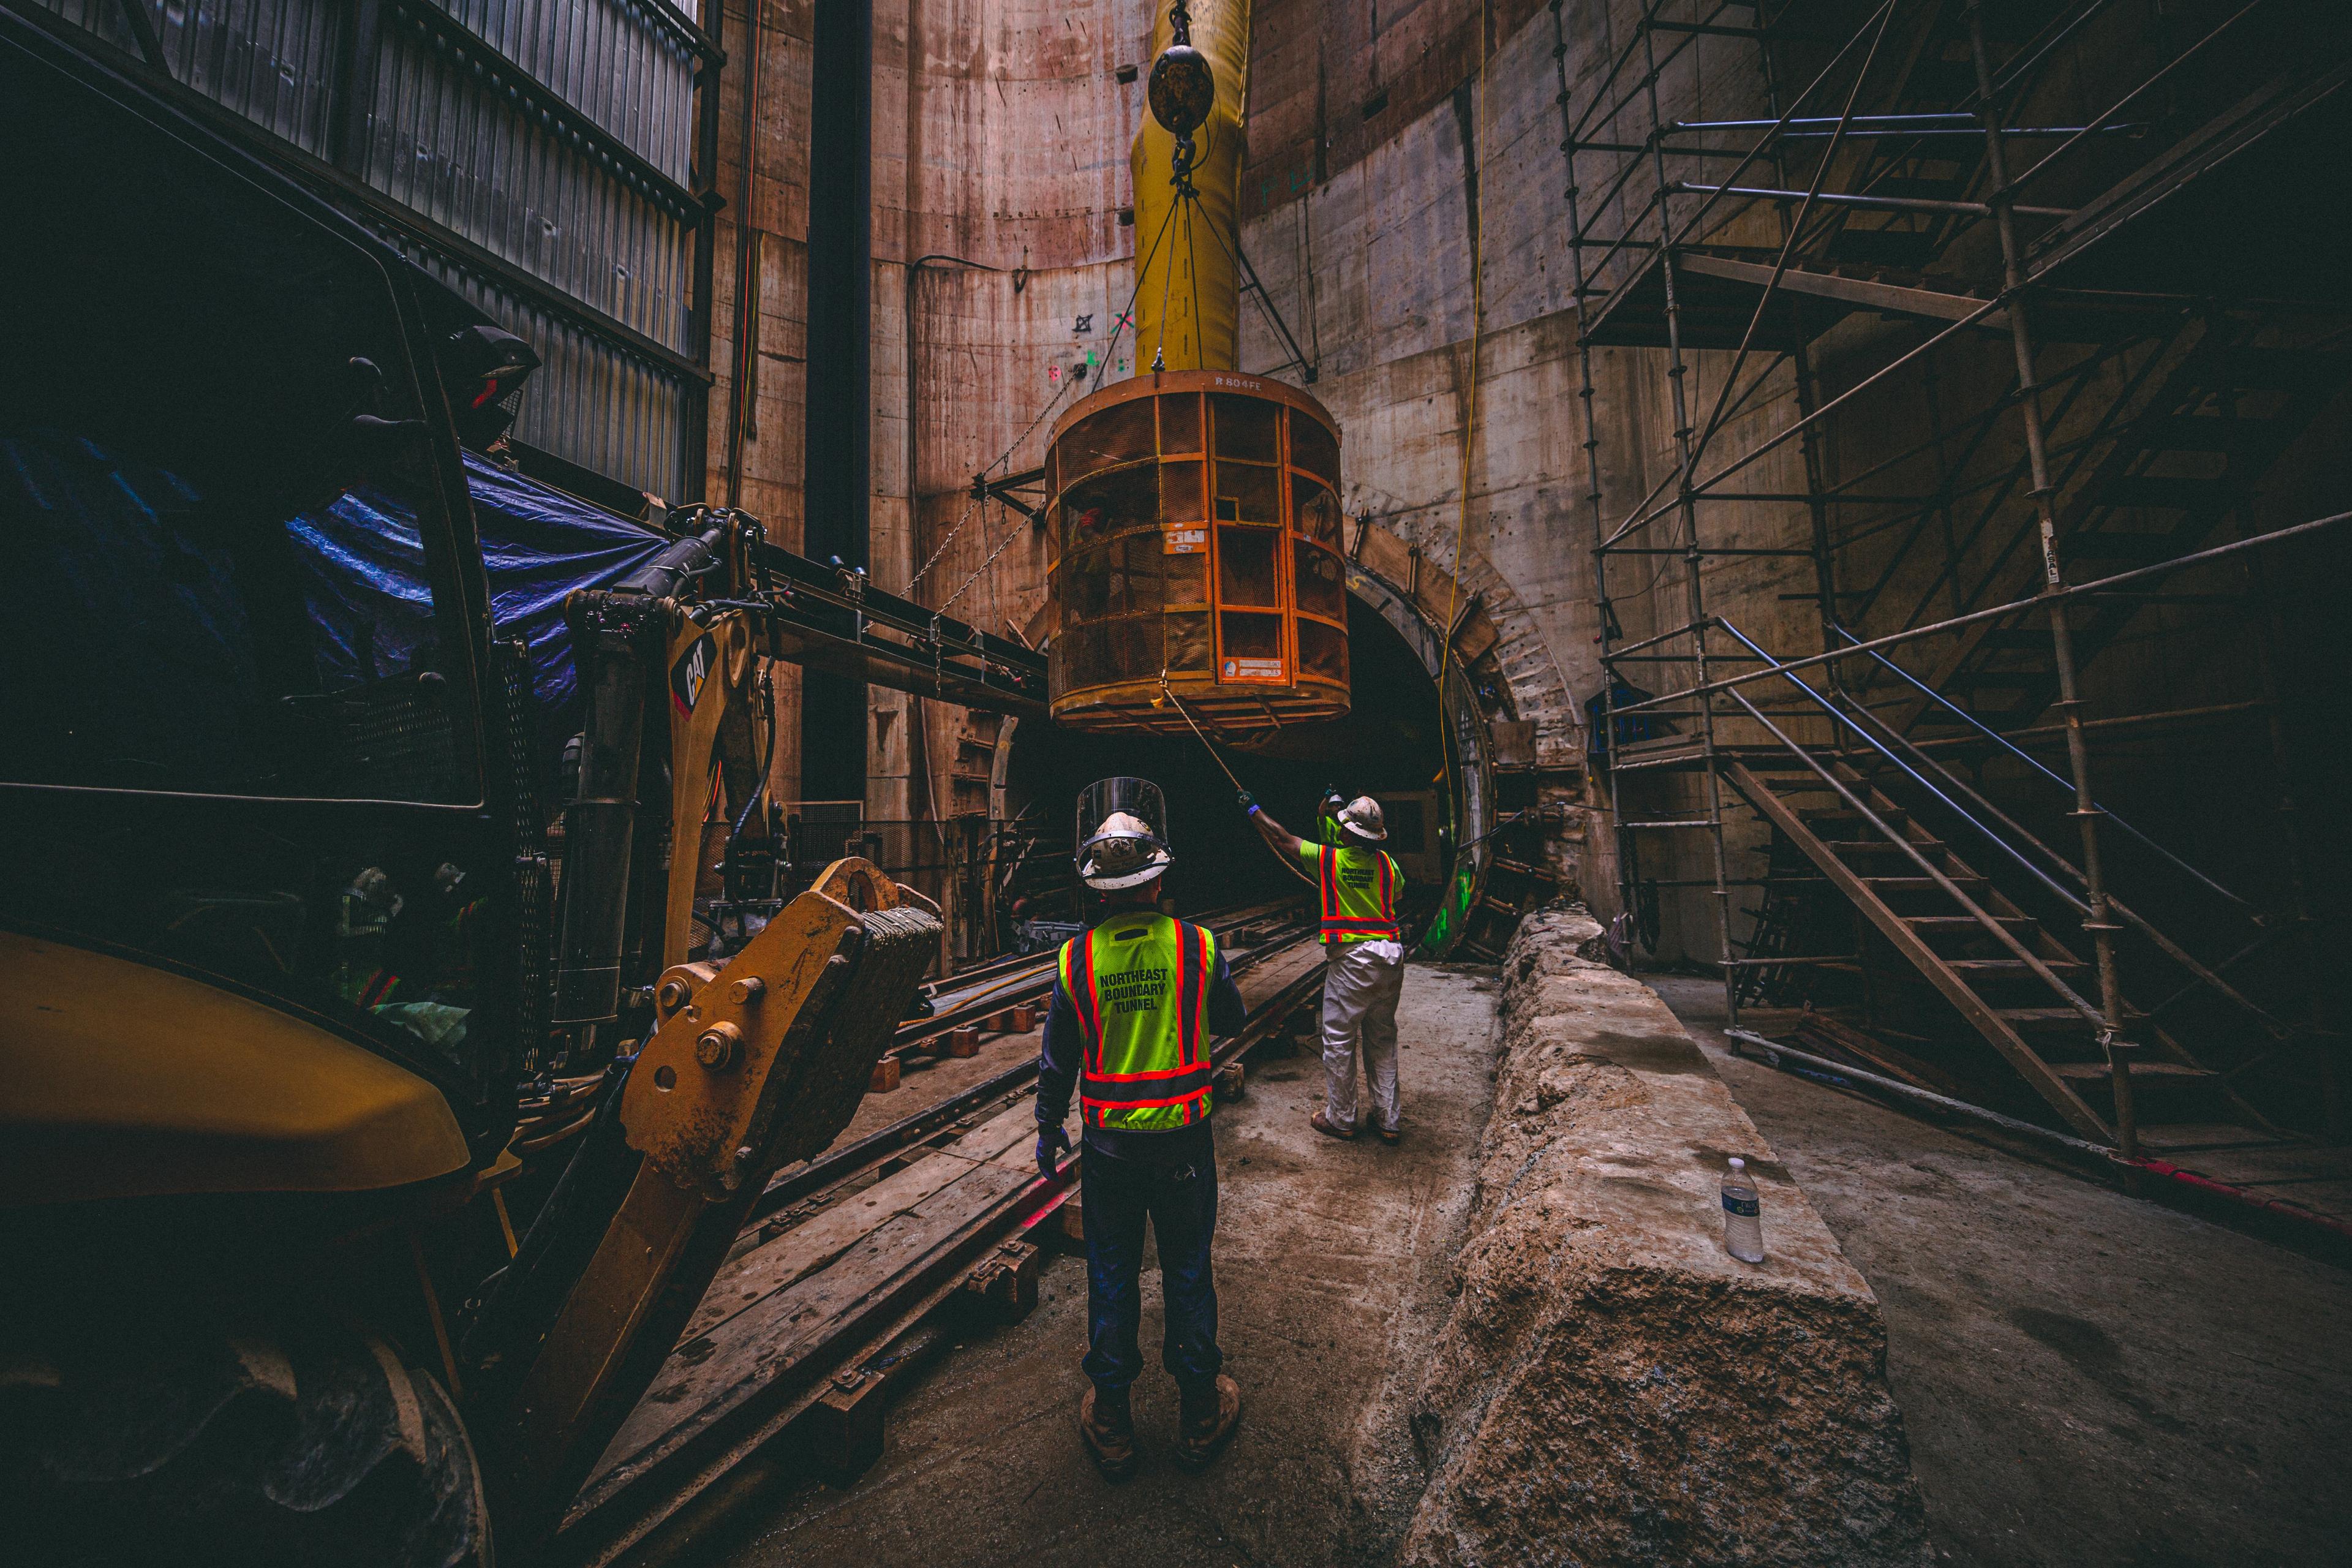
1391 145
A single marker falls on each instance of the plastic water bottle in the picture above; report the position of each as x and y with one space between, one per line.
1743 1223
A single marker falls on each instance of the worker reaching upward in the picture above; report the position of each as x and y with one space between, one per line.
1363 960
1327 816
1136 1000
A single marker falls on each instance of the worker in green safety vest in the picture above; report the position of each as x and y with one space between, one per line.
1136 1001
1327 816
1356 886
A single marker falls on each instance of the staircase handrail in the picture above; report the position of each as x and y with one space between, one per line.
2038 766
1845 718
1993 927
2163 943
2199 973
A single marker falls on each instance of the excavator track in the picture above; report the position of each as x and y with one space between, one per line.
304 1443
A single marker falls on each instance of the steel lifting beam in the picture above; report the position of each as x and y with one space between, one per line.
833 618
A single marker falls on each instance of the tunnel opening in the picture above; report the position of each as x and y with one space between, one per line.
1388 745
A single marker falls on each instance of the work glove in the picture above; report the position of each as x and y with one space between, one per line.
1249 801
1052 1141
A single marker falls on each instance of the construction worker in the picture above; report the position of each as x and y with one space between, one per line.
1363 963
1327 816
1136 1000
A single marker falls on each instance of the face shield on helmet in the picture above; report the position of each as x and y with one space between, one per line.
1122 834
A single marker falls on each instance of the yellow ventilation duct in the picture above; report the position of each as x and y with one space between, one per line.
1187 299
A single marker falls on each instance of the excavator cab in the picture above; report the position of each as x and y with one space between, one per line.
246 669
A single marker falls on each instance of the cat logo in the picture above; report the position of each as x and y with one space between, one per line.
688 675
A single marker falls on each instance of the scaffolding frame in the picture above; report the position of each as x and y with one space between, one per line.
1668 243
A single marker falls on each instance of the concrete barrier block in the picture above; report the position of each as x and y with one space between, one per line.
1612 1385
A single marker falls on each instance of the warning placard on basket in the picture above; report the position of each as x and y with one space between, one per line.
1193 541
1265 669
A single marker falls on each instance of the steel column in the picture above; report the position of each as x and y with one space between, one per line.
2100 922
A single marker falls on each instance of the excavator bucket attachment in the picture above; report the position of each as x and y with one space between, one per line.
755 1062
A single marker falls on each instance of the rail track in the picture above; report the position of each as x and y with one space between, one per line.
848 1256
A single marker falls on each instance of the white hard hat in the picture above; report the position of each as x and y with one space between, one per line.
1123 853
1361 817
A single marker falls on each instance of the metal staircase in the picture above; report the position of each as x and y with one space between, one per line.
1957 889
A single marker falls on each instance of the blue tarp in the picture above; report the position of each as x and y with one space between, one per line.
363 565
540 544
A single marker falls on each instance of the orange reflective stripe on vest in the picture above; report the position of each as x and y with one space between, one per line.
1358 901
1139 986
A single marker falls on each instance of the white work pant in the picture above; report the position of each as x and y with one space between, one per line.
1360 1004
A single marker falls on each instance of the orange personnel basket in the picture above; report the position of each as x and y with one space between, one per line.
1195 551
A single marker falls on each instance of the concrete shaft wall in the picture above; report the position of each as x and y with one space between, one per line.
1000 139
1405 205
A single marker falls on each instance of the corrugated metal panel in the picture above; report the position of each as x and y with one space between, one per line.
589 402
448 144
451 146
611 59
103 17
273 61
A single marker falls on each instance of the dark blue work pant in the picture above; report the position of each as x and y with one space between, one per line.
1179 1196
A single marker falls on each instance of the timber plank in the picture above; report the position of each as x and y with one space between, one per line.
833 1286
712 1377
817 1241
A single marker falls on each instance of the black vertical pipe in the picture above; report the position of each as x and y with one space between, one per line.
837 455
358 53
709 78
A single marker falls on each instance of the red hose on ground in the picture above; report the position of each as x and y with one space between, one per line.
2188 1178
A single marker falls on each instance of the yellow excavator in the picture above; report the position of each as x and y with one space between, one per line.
378 1092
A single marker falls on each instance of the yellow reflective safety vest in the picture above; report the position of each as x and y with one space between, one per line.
1140 984
1357 890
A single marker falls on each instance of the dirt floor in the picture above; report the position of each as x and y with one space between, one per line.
2086 1378
1332 1262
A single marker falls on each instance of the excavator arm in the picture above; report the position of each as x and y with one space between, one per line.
751 1061
757 1062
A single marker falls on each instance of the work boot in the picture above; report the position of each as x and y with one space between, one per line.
1107 1422
1207 1423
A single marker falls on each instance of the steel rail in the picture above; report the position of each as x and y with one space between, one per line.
603 1528
832 1167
